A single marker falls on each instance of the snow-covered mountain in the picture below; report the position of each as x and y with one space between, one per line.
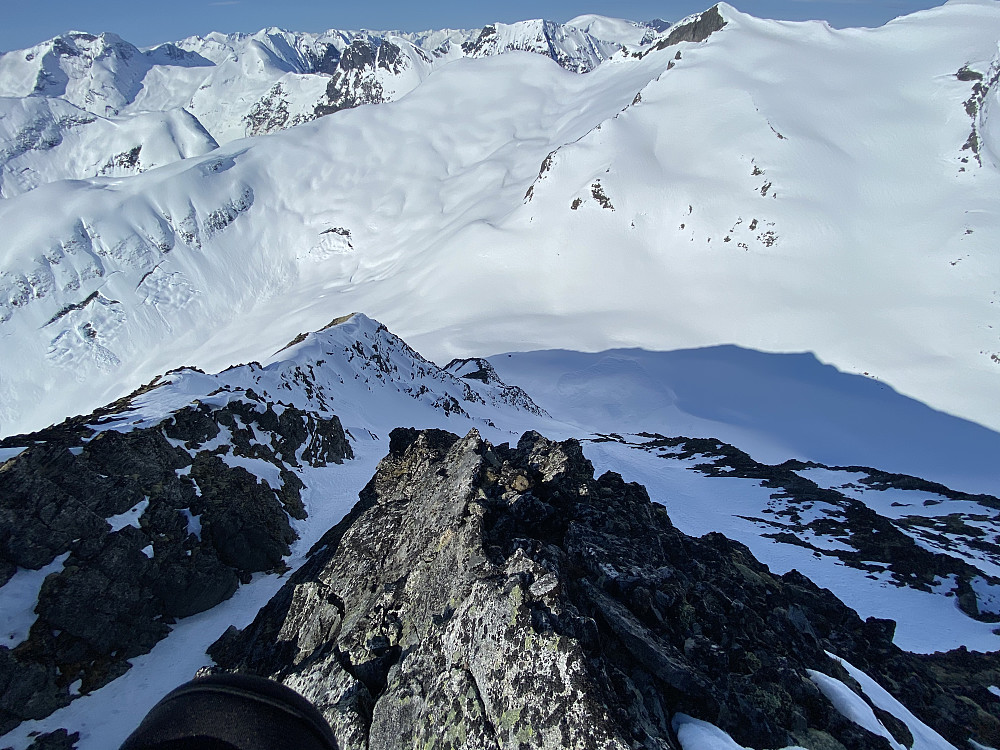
46 139
748 264
197 494
240 85
513 204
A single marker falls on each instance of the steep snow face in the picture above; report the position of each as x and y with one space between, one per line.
100 74
45 139
746 195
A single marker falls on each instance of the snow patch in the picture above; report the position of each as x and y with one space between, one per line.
18 598
129 517
852 706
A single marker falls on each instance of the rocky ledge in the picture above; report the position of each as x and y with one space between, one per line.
134 527
483 596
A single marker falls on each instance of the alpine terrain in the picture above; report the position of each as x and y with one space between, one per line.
699 449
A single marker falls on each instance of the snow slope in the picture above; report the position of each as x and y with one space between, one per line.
775 406
44 139
854 232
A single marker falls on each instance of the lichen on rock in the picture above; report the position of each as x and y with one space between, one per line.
495 597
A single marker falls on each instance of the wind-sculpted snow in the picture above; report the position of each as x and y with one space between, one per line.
44 139
725 191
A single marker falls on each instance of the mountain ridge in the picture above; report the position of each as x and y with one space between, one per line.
274 452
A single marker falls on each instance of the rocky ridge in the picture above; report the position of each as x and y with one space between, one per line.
139 527
159 506
488 596
925 536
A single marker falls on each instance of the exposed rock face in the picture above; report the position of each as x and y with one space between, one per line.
362 72
698 29
153 524
489 597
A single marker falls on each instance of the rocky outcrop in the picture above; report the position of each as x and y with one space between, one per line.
362 73
151 524
477 370
698 29
487 596
922 552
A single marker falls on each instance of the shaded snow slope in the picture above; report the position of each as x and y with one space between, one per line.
505 203
775 406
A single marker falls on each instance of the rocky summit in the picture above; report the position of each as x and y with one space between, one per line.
485 596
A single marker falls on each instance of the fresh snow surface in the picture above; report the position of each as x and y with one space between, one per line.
870 248
18 598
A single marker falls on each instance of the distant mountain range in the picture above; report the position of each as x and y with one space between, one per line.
728 286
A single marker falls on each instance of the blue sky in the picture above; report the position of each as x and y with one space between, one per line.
25 23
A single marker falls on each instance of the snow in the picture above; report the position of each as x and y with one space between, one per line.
193 522
891 502
773 406
18 598
852 706
699 504
129 517
8 453
695 734
924 738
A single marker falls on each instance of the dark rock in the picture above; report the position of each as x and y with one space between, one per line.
360 54
699 29
390 57
241 518
325 61
57 740
28 690
118 590
489 596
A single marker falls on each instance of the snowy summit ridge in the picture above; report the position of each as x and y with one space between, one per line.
185 506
